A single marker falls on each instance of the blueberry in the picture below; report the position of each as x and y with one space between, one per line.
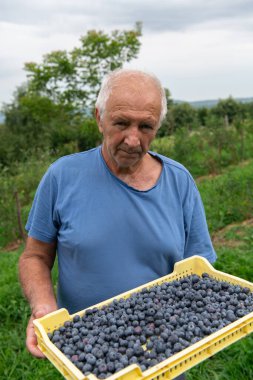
124 360
68 351
242 296
102 368
87 368
118 367
74 358
112 355
82 357
90 359
230 316
138 351
76 318
110 367
133 360
191 326
240 312
160 347
55 338
173 338
177 347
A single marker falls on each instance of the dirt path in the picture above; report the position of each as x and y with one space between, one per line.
223 170
219 238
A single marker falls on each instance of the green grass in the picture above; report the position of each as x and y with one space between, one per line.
228 197
233 363
16 363
206 150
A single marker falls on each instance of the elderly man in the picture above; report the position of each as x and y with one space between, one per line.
118 215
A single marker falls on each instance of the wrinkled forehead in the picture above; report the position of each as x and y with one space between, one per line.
134 91
131 97
132 82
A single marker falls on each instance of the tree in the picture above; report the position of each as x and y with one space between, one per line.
227 109
74 77
53 110
29 122
184 116
34 124
203 114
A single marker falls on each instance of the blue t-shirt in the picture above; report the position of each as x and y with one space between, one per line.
110 236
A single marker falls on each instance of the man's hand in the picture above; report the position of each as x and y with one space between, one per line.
35 266
31 339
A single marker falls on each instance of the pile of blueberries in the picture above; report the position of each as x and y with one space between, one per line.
151 325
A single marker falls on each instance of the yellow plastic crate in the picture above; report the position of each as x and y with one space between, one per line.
171 367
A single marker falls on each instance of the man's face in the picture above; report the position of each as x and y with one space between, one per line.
129 123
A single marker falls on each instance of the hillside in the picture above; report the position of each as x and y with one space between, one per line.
212 102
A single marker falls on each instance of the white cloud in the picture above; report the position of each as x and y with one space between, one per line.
197 65
199 49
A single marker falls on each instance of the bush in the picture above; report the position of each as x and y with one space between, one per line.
208 150
163 145
23 179
89 135
228 198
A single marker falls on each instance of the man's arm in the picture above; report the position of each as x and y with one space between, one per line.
198 240
35 266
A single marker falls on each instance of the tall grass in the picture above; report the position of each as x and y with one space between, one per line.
208 150
234 362
23 179
16 363
229 197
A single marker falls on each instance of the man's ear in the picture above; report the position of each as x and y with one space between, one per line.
99 121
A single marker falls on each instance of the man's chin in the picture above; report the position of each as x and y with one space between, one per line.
128 162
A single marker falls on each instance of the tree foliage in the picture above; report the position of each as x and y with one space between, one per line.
227 109
184 116
74 77
53 110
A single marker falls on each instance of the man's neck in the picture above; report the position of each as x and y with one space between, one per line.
142 176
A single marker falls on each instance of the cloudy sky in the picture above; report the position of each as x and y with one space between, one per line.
200 49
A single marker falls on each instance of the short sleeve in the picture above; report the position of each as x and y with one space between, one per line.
43 220
197 237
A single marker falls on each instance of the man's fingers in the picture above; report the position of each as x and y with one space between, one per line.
31 340
31 344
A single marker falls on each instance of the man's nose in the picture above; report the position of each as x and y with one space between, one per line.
132 138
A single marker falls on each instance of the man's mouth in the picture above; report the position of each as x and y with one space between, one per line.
130 152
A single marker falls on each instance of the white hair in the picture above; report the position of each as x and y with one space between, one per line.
107 86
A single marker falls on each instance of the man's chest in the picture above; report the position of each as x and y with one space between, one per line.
121 220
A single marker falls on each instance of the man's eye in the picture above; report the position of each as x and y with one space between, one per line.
146 126
121 123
